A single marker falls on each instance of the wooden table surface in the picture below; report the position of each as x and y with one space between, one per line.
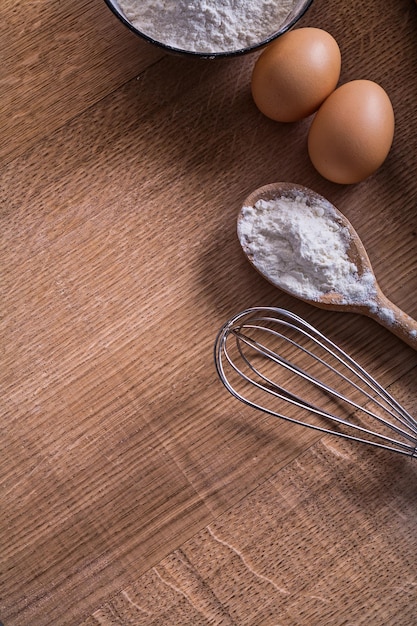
134 490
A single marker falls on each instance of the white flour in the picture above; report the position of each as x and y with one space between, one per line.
207 25
303 249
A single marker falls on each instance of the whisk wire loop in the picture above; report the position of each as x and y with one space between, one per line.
261 349
235 364
279 392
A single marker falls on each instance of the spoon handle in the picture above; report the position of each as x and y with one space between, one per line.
394 319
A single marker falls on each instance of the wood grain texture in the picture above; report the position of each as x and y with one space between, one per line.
59 58
127 473
329 539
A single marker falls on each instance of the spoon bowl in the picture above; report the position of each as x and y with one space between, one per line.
376 305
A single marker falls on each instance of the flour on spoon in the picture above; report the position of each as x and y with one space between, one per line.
301 247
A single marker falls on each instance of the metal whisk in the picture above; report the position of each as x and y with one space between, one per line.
266 357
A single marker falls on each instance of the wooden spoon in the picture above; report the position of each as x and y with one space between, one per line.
378 306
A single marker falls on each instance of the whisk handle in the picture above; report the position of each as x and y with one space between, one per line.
394 319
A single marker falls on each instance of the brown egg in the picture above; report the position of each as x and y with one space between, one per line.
352 132
295 73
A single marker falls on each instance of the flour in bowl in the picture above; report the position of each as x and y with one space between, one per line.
207 26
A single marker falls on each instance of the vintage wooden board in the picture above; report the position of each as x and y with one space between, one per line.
131 484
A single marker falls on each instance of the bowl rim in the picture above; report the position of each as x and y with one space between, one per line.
113 6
